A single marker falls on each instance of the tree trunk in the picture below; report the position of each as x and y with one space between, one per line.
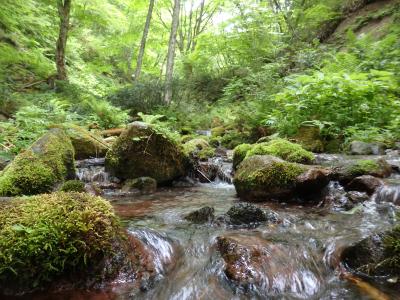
171 53
143 42
64 9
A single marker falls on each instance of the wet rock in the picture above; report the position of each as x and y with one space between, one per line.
144 151
203 215
357 197
207 171
376 255
376 168
271 269
86 144
145 185
360 148
244 213
48 162
366 183
184 182
5 160
262 178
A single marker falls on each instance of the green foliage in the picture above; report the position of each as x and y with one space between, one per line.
56 236
73 186
392 249
239 154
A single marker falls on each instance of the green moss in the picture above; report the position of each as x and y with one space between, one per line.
283 149
85 143
310 138
266 172
363 167
218 131
73 186
48 237
37 170
198 148
239 154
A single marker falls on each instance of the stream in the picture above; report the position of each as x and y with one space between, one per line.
190 267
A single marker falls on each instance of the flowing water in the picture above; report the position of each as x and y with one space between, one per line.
303 248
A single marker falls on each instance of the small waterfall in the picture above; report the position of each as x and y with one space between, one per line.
388 193
160 246
215 170
92 173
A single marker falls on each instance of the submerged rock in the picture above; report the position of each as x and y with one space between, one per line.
366 183
202 215
145 185
49 161
245 213
68 240
265 177
145 151
271 269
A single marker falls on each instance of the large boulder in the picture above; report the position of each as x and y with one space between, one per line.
271 269
198 149
365 183
347 172
375 256
65 240
363 148
86 143
310 138
265 177
49 161
143 150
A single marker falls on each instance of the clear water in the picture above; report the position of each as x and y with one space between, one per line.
304 247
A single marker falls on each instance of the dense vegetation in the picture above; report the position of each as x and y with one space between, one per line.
246 69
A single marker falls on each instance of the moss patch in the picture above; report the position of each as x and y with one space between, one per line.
73 186
198 148
47 162
239 154
283 149
61 236
362 167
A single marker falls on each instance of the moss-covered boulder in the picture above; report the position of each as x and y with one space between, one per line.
86 144
375 256
143 150
63 240
377 168
49 161
198 148
265 177
239 154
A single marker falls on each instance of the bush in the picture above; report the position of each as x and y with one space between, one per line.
61 236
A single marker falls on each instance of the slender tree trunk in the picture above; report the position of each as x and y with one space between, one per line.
64 9
144 39
171 53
